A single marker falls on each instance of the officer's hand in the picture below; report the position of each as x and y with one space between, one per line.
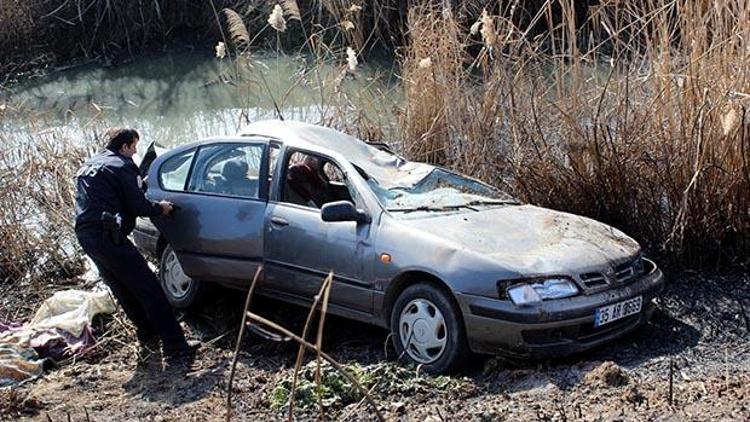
166 207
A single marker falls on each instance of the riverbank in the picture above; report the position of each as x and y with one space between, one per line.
698 331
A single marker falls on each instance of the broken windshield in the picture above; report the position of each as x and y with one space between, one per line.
440 190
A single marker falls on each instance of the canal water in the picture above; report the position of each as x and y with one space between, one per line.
180 97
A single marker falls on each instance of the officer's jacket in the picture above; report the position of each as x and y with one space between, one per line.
111 182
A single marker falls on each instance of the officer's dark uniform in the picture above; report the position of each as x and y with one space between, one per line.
109 182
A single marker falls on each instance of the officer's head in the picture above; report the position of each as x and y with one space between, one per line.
122 140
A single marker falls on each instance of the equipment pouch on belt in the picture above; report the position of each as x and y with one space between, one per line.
111 227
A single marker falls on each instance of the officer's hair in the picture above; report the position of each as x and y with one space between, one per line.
119 136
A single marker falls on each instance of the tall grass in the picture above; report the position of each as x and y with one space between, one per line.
37 243
633 113
644 126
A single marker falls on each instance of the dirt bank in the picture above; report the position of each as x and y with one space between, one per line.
701 329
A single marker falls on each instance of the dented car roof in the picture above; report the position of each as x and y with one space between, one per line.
389 170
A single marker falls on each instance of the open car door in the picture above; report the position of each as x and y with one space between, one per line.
220 192
144 161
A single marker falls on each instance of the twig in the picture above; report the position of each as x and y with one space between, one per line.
324 355
239 342
385 344
726 368
301 351
319 343
359 403
671 381
217 338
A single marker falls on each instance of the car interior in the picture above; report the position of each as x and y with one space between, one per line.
227 171
234 179
313 181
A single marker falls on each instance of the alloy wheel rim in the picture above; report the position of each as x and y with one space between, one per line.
423 331
175 279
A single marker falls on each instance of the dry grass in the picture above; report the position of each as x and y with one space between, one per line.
37 243
635 116
645 128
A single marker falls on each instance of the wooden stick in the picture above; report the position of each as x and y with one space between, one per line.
239 342
324 355
671 378
319 341
301 351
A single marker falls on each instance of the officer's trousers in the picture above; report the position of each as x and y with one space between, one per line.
134 285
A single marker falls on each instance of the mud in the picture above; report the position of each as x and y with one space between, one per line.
700 329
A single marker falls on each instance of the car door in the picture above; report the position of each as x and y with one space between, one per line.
301 249
221 197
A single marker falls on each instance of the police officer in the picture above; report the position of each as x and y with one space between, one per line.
108 199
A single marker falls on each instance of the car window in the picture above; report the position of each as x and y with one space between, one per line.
313 181
333 173
440 191
227 169
174 172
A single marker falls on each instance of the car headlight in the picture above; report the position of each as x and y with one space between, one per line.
530 293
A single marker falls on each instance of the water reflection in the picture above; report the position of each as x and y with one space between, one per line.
179 97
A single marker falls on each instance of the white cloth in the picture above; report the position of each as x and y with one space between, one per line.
72 310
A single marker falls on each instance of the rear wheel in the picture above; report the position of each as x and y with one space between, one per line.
427 328
182 291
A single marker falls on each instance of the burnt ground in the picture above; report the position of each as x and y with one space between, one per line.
701 329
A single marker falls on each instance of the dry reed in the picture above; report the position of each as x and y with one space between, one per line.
645 128
36 209
634 113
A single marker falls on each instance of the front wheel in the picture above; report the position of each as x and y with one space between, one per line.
428 329
182 291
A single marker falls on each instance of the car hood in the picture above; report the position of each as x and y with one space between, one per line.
532 240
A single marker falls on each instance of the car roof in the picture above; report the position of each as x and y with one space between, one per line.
388 169
309 136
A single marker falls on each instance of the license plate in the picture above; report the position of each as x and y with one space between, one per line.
615 311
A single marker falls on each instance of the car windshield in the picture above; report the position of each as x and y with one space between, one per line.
440 190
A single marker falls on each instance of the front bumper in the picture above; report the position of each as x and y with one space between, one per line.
555 327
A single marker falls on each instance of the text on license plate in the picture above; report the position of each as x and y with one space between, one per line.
615 311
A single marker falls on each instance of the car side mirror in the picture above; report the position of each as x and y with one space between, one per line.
343 211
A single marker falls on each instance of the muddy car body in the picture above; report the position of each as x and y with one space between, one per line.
448 263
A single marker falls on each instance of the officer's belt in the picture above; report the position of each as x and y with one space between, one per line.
88 225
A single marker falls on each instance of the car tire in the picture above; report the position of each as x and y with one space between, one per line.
428 329
182 292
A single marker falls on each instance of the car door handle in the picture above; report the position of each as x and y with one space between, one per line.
278 221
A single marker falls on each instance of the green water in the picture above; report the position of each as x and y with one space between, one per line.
180 97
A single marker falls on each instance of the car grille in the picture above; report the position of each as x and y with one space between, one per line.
621 274
624 272
593 280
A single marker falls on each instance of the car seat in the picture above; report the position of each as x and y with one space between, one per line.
236 181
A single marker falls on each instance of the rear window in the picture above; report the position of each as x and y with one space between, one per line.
174 172
228 169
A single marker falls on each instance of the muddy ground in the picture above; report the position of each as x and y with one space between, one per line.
701 329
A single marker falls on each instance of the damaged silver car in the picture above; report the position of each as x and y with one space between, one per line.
449 264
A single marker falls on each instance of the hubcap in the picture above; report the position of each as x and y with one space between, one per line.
423 331
175 280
